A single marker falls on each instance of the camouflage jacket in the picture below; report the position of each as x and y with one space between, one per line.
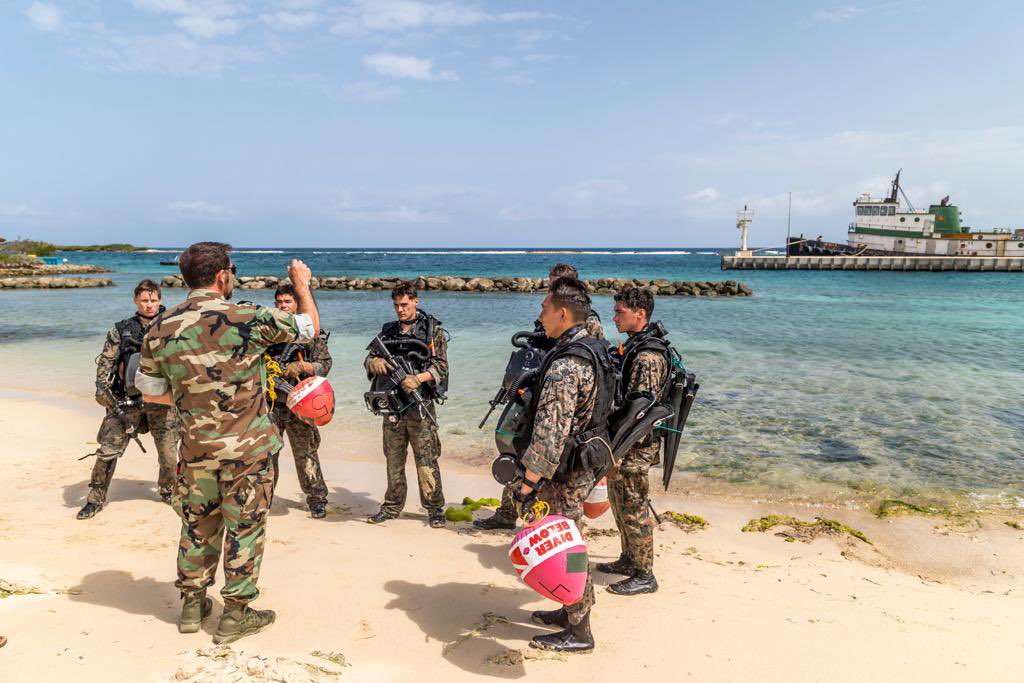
566 401
648 373
209 353
107 358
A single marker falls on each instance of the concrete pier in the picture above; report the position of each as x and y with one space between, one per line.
978 264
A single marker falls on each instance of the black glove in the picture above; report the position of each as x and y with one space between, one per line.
524 501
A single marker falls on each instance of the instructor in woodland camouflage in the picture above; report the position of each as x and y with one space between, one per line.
127 416
206 356
643 370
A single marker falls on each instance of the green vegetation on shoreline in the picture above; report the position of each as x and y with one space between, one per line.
19 249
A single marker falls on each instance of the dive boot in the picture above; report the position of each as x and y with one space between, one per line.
379 517
317 510
239 622
623 566
89 510
195 608
575 639
555 617
436 520
640 582
495 521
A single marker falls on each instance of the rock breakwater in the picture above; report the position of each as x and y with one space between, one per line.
54 282
451 283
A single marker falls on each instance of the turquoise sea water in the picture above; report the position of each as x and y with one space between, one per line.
824 384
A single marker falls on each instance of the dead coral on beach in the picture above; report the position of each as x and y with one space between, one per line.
221 663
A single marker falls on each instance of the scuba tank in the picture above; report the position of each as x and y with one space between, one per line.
131 331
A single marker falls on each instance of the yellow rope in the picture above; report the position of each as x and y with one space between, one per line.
273 372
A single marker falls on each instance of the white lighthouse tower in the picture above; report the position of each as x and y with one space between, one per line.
744 218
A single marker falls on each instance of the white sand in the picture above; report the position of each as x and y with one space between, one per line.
932 600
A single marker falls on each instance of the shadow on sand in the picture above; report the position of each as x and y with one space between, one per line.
468 619
146 596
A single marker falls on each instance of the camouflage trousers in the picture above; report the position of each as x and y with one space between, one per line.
166 431
426 449
304 440
629 491
229 504
566 499
507 509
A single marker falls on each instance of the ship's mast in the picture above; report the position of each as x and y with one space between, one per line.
895 187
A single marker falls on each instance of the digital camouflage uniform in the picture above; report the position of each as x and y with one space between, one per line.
209 353
629 486
565 405
160 421
303 437
507 510
412 430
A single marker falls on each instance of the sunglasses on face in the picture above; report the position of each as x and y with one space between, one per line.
233 269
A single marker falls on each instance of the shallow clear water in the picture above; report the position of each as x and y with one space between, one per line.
832 382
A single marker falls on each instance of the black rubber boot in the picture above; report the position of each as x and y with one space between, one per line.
573 640
495 521
379 517
436 520
89 510
623 566
555 617
239 622
317 510
641 582
195 608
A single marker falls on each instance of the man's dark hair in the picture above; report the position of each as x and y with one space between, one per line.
286 290
562 270
201 262
147 285
404 289
636 298
571 294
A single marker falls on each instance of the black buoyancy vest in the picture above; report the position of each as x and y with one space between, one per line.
422 330
131 331
596 353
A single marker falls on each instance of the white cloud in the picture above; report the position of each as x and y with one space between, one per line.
44 16
406 66
290 21
169 53
196 210
834 16
708 194
19 211
519 79
397 214
208 19
395 16
499 62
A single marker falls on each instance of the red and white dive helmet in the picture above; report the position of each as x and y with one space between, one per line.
312 401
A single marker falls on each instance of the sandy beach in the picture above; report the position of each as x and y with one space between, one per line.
930 599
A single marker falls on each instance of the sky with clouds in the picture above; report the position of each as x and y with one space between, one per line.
416 123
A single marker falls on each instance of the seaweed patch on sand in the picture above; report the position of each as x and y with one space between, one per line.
469 505
9 588
893 507
685 521
799 530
